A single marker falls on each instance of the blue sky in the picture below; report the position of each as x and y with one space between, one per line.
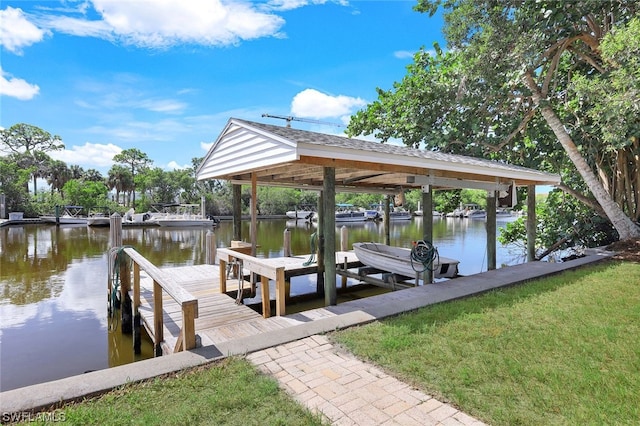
164 76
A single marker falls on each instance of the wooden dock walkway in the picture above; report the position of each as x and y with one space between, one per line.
220 318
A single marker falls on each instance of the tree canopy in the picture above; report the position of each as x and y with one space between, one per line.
136 160
30 145
521 79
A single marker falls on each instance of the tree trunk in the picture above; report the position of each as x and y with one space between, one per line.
622 223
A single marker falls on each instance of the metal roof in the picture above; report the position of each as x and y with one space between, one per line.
283 156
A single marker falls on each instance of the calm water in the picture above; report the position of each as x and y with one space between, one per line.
53 283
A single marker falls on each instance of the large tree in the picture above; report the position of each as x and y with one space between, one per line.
136 160
120 179
504 91
57 175
31 142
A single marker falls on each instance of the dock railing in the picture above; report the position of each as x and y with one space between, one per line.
266 272
162 283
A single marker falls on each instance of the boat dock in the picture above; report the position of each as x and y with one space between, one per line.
199 303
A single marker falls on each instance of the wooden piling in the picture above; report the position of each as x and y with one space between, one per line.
126 323
115 230
287 242
344 238
210 251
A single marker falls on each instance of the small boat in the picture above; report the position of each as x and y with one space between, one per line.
302 212
474 211
399 260
476 214
504 212
400 214
70 216
372 214
346 213
98 219
181 215
396 213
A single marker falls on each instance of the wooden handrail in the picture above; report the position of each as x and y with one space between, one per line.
188 303
265 270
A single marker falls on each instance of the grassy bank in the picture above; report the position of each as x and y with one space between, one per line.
563 350
231 392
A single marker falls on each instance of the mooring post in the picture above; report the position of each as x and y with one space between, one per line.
344 238
115 230
287 243
125 287
210 250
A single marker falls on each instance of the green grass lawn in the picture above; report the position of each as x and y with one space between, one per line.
562 350
231 392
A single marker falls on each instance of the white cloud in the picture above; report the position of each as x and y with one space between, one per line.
175 166
163 105
314 104
164 23
403 54
16 32
89 156
16 87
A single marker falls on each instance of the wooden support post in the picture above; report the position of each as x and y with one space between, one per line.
531 223
320 249
115 240
280 292
188 332
427 228
329 230
344 277
266 301
491 230
137 342
344 238
126 325
158 322
237 212
287 243
387 221
210 255
115 230
223 276
254 226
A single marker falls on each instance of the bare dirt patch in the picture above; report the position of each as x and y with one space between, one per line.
626 249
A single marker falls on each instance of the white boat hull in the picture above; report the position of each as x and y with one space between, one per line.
184 222
65 220
398 260
400 216
300 214
98 221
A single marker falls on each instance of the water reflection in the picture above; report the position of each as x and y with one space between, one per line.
53 283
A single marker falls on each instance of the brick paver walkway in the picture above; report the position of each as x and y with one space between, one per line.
348 391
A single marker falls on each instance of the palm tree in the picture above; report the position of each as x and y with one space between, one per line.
93 175
136 160
57 175
119 179
76 172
